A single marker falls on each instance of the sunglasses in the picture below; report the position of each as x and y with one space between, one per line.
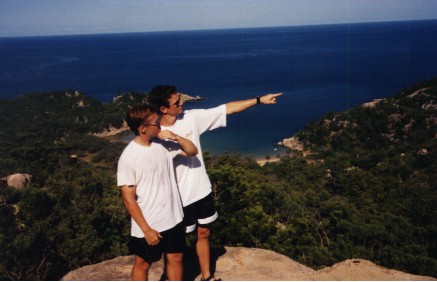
177 103
155 123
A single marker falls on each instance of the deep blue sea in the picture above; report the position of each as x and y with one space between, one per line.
319 69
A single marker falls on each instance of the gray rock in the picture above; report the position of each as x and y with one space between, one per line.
242 264
18 180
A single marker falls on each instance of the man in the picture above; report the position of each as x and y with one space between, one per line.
193 181
146 176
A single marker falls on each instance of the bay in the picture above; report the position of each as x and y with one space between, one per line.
319 69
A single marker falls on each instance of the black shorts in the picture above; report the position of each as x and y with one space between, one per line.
202 212
172 241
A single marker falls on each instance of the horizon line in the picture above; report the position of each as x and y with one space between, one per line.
208 29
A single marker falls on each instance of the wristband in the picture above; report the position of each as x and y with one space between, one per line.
258 100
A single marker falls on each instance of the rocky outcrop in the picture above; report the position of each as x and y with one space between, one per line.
253 264
360 270
419 92
112 131
292 143
18 180
373 103
188 98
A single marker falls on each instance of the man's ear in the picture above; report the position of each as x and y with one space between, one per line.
163 109
142 129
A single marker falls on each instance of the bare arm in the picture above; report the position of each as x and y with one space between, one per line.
188 148
152 236
239 106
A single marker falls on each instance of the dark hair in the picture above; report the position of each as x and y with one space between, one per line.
136 115
159 96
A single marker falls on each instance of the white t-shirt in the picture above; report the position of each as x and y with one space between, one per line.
150 168
192 179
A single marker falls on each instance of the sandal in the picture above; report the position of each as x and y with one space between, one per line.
210 278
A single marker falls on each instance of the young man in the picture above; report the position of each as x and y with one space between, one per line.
146 176
193 181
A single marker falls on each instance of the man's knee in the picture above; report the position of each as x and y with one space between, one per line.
175 258
203 233
141 264
174 267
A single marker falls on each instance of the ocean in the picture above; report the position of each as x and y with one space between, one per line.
320 69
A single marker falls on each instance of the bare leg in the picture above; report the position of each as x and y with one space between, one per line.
174 266
203 251
140 271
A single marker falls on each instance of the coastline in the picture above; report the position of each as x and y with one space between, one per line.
263 161
122 134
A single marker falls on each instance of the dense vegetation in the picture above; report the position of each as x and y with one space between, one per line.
364 187
71 215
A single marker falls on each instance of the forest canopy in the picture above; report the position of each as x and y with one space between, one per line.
364 187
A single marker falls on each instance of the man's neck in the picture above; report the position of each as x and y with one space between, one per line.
143 140
168 120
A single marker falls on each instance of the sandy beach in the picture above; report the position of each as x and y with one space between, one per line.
263 161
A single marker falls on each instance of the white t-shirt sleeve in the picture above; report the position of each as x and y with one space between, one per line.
173 148
209 119
125 173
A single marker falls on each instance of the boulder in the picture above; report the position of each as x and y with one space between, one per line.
291 143
18 180
238 264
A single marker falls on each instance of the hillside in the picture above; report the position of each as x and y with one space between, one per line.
363 186
359 183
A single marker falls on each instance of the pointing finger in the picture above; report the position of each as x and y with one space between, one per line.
277 94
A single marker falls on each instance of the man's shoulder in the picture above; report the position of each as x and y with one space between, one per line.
188 119
198 112
126 156
128 150
128 147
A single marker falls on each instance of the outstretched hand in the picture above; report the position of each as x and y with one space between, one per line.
269 98
239 106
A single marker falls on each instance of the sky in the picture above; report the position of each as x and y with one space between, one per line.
66 17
